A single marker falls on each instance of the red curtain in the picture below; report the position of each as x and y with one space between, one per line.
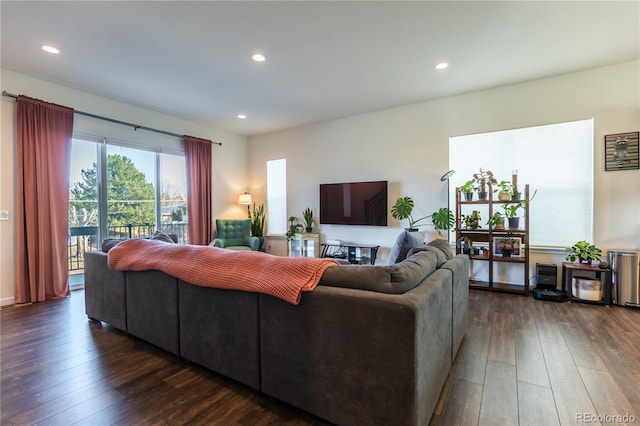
44 151
197 153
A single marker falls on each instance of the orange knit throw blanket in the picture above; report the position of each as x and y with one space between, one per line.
283 277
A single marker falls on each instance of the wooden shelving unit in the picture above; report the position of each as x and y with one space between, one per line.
485 236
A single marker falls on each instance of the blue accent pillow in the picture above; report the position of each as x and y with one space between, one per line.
405 242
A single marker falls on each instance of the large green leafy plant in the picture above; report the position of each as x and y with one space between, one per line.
402 209
584 251
443 220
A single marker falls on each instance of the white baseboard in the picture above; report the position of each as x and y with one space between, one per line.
7 301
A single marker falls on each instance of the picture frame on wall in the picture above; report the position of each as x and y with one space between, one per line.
500 242
621 151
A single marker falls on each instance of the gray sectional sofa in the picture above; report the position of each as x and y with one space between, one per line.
370 345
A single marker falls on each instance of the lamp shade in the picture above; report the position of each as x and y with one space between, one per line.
245 199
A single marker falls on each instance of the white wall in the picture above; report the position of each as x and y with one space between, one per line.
408 146
229 160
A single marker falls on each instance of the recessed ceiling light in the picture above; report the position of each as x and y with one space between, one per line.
50 49
259 57
442 65
242 116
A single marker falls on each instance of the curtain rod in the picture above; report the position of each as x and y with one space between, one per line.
112 120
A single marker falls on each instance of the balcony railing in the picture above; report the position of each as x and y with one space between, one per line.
86 238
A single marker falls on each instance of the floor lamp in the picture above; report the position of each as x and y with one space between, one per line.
446 177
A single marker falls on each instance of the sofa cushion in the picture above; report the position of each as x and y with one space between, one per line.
440 256
395 279
442 245
405 242
411 271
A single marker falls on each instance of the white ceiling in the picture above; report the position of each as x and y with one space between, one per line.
325 59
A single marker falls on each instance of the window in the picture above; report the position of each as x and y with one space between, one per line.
277 196
556 160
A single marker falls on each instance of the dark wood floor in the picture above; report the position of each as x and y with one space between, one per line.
523 362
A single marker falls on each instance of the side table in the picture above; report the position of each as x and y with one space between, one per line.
603 274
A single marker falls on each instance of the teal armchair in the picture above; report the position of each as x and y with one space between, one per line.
235 234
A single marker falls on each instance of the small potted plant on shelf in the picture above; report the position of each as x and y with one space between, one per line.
294 228
442 220
496 221
467 189
584 251
515 193
402 210
472 221
511 211
464 244
482 179
257 223
307 214
504 189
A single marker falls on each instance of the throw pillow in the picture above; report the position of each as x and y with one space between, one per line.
161 236
109 243
405 242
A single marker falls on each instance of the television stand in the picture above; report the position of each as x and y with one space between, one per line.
356 254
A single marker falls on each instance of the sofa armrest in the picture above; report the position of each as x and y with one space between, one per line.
459 267
104 291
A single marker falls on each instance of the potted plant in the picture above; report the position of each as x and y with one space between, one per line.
442 220
402 210
511 211
257 223
515 193
464 244
496 221
484 178
294 228
467 189
584 251
504 189
307 214
472 221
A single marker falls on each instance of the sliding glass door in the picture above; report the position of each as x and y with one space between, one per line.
122 192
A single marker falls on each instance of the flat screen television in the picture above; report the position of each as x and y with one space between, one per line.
354 203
